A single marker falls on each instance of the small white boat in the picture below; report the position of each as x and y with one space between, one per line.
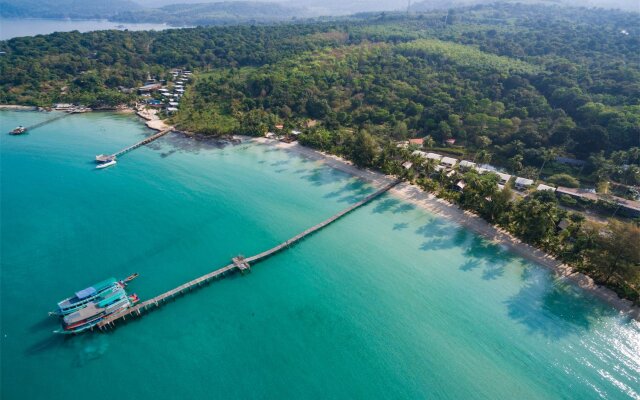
107 164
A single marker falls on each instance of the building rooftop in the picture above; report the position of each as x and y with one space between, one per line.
467 164
523 181
449 161
542 186
504 178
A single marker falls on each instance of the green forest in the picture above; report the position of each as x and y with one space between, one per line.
513 85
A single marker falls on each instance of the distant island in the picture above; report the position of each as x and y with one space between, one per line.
540 102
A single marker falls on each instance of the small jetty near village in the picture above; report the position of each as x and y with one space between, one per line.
365 200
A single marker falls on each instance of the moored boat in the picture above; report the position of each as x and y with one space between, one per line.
94 312
85 296
106 164
19 130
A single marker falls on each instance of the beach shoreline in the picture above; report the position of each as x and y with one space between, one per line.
427 201
16 107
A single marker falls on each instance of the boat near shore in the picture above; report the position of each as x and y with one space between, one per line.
19 130
106 164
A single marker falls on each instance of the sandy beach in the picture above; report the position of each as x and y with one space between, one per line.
415 195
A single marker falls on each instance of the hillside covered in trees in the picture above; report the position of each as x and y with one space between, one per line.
521 81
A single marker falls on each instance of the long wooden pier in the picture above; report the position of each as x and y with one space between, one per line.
239 263
47 121
149 139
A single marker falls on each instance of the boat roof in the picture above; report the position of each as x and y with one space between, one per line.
91 290
94 308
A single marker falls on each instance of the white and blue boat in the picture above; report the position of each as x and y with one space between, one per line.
86 296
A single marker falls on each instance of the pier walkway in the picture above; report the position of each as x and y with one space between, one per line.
105 158
48 121
239 263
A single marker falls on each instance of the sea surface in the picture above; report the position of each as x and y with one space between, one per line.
390 302
16 27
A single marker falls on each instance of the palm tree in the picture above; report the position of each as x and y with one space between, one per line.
548 155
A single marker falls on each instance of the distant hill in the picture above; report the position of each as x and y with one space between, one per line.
75 9
215 13
626 5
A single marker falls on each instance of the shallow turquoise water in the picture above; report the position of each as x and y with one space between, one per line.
389 302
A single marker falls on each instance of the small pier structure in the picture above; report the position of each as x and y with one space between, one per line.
238 263
101 158
48 121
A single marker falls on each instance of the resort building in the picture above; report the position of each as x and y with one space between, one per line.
449 162
504 178
151 87
542 186
464 164
523 183
420 153
417 141
626 206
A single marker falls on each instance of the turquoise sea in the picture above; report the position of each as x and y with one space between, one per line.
390 302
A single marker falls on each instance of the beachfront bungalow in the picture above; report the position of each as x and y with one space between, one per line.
460 186
151 87
433 156
419 153
542 186
464 164
504 178
577 193
270 135
523 183
449 161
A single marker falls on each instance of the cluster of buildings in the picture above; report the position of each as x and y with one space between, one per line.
521 184
448 163
160 95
